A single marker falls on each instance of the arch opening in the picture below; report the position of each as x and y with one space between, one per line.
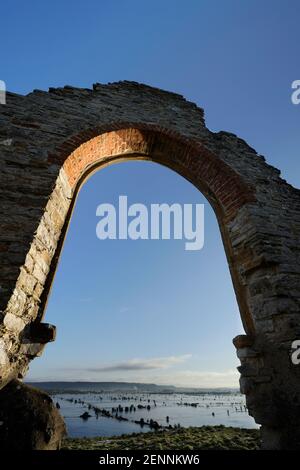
196 293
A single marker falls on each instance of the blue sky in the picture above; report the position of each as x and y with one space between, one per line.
149 310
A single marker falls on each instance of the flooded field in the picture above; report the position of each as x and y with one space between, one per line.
107 414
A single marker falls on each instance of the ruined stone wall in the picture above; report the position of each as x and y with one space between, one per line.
50 141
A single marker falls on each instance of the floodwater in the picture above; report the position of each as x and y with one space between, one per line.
167 409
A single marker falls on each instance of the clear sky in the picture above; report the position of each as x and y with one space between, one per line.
149 310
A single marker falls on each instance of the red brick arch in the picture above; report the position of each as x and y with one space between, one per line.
219 183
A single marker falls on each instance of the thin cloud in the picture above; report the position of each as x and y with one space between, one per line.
140 364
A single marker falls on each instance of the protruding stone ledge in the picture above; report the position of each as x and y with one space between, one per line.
243 341
40 333
244 345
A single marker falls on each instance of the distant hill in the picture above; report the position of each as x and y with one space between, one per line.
103 386
122 387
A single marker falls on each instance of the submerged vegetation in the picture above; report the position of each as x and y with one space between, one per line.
192 438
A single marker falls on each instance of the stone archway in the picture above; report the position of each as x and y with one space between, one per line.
50 143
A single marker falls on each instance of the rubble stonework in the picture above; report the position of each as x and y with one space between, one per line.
57 138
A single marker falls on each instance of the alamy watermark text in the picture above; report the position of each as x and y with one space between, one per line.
162 221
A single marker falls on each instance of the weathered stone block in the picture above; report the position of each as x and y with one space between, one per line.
29 419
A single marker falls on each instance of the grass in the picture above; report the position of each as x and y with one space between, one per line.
201 438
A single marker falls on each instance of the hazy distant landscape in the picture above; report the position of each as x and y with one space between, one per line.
125 386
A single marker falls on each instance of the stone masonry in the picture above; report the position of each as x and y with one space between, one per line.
51 141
